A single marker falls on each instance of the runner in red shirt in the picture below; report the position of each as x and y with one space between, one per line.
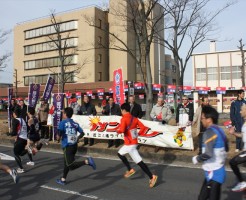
129 126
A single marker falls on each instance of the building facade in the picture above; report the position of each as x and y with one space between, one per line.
217 68
36 54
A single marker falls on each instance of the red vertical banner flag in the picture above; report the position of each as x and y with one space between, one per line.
118 87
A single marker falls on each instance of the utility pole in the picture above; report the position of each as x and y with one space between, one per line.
243 62
16 83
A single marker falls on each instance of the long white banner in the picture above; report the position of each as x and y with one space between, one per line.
104 127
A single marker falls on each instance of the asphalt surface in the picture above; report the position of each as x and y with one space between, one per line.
105 183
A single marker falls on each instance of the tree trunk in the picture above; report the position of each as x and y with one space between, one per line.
148 90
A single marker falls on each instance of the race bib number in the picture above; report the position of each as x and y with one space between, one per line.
72 139
134 133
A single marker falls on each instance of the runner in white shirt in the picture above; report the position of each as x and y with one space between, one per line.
19 125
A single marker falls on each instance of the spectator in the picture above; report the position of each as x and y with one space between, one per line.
87 109
236 118
23 109
200 129
112 109
12 106
43 111
185 112
160 112
73 103
136 109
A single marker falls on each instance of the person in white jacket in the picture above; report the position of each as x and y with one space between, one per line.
160 112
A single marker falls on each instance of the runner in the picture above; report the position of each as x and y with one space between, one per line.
33 142
11 172
214 148
19 125
241 157
128 126
68 133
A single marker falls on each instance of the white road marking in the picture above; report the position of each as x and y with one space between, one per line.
6 157
69 192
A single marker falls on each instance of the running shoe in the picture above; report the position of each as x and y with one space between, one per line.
92 163
241 186
59 181
30 163
29 149
20 171
152 182
14 176
129 173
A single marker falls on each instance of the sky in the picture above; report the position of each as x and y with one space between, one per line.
231 24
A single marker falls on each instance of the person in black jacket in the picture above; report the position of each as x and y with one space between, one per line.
136 109
23 109
185 112
87 109
112 109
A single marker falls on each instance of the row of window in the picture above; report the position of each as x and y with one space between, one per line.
49 46
223 76
42 79
212 73
65 26
49 62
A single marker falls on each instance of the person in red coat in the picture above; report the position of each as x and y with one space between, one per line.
128 126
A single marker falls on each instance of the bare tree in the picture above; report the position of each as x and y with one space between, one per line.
4 58
66 47
242 51
143 21
187 25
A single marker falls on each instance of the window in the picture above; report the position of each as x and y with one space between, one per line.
49 46
49 62
168 65
236 72
201 77
42 79
99 58
225 69
65 26
99 40
174 68
99 23
225 76
212 73
201 74
212 77
99 76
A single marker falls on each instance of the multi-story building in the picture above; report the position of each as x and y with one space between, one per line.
35 55
217 68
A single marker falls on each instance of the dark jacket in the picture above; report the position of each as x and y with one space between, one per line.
87 109
136 111
235 116
114 110
23 114
189 109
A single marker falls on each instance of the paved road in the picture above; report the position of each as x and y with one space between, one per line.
106 183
